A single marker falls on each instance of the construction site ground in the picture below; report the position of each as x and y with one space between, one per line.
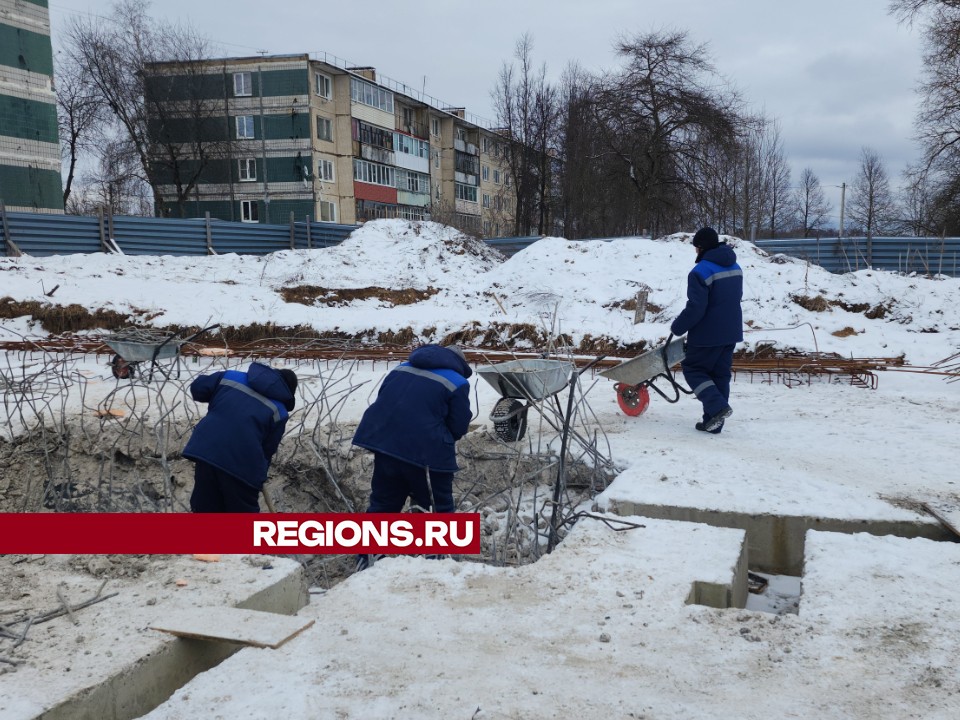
610 624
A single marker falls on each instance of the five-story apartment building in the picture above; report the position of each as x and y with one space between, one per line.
321 140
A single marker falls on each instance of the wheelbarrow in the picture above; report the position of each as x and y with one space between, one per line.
517 381
634 377
134 346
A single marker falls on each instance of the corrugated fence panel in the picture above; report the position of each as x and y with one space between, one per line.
159 236
329 234
510 246
249 238
42 235
906 255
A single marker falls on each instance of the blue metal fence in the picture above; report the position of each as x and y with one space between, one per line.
921 255
41 235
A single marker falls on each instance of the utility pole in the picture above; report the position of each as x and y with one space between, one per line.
843 194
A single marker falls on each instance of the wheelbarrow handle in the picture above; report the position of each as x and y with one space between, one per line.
589 365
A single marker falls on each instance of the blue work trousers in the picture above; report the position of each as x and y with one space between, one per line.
217 491
707 371
394 481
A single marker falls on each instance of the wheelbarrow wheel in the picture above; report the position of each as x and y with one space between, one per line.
509 419
632 399
121 369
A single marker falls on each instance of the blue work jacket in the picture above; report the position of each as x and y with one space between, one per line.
422 409
713 315
244 423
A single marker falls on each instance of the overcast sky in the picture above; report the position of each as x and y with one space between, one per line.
837 74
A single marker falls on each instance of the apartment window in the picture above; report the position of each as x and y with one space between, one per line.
325 169
414 182
374 173
483 144
328 211
249 211
324 85
411 146
242 84
496 177
369 210
436 159
486 228
324 128
367 93
468 164
373 135
486 200
506 180
410 212
485 172
465 192
245 127
435 127
247 169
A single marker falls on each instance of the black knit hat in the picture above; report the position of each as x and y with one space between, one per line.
290 378
706 238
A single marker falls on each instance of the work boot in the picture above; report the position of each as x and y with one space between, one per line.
712 423
715 431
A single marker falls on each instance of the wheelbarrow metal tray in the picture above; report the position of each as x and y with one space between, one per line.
534 379
648 365
134 351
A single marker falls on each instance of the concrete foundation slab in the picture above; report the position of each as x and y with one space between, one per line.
109 665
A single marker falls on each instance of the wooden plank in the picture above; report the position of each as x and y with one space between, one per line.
247 627
947 513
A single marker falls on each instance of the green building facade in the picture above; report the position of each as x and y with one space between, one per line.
30 178
255 122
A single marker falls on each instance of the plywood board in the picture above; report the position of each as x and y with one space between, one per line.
947 513
247 627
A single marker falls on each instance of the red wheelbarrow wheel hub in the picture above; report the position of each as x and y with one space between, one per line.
632 399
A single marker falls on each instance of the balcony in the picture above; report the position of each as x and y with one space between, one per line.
417 130
373 153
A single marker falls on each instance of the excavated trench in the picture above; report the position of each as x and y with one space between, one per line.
117 467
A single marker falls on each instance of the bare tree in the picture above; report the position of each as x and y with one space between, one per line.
871 205
658 115
779 210
79 117
811 204
115 184
938 119
166 114
916 202
528 114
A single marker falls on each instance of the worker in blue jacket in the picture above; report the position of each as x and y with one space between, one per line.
421 411
233 445
713 323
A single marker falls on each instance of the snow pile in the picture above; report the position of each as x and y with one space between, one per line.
583 289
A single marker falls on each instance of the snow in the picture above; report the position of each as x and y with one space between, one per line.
601 627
